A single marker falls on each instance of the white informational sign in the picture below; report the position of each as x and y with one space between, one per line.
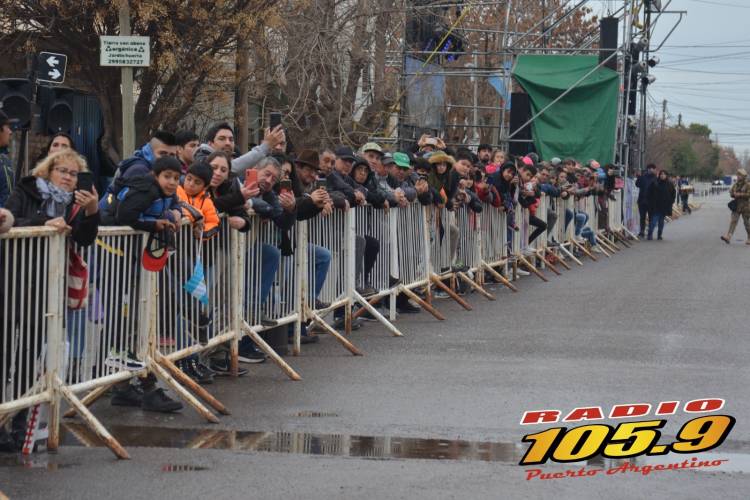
124 51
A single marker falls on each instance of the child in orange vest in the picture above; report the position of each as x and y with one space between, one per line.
197 203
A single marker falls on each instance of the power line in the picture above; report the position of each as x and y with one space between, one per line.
723 4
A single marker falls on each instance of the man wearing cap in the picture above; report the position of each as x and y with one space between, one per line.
411 183
7 179
395 196
740 193
643 182
339 180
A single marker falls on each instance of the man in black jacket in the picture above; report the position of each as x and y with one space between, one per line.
643 183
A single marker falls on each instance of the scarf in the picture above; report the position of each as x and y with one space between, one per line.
54 199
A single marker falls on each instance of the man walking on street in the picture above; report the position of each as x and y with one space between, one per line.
643 182
740 193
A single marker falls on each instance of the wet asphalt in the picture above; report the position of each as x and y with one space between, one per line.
662 321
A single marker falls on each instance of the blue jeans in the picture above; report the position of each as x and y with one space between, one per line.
270 259
582 230
655 219
321 259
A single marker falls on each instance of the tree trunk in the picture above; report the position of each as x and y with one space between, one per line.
241 110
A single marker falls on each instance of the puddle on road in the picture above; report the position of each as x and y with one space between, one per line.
339 445
369 447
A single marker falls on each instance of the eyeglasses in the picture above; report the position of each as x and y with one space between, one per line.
65 171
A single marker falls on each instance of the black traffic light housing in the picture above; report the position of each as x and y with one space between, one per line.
15 97
56 105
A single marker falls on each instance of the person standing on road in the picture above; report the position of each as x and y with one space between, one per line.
643 182
740 193
660 198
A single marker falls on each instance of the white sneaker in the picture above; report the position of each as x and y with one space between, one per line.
521 272
596 249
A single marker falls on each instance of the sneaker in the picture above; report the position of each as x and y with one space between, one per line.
340 324
522 272
157 400
123 360
726 240
221 367
191 368
130 396
659 238
406 307
366 291
316 329
251 354
319 304
641 235
267 321
596 249
440 294
365 316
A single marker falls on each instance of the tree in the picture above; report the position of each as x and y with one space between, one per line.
700 130
192 46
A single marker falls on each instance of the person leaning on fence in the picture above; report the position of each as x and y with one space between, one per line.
660 197
529 199
546 181
312 201
146 203
740 205
584 187
226 191
196 201
394 194
340 182
47 197
7 175
281 210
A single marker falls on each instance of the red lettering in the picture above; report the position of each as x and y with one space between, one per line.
634 410
667 408
540 417
591 413
704 405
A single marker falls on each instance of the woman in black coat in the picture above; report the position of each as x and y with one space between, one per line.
47 197
660 198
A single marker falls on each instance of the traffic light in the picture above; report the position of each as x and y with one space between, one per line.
15 101
56 105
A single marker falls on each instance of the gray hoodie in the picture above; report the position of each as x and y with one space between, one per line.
239 164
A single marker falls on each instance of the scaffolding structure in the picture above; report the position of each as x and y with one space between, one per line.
471 92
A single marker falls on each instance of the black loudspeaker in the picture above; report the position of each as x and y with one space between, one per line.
57 109
520 112
15 101
608 27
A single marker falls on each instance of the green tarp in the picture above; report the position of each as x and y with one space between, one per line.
582 124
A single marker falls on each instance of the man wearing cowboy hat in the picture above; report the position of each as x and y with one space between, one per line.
740 193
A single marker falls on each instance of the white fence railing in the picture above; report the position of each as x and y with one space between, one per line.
139 322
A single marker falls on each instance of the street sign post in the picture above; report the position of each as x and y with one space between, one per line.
51 67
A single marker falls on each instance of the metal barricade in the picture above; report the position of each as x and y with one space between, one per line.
469 226
32 297
443 236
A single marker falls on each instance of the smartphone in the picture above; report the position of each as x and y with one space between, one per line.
251 176
85 182
275 120
285 186
321 184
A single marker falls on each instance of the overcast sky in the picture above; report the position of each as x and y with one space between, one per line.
704 73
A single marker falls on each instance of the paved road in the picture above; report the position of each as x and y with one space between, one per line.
662 321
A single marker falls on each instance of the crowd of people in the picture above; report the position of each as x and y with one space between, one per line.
175 177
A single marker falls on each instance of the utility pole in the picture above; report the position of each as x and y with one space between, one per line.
679 120
126 72
663 114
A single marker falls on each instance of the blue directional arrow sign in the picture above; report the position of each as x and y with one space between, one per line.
51 67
